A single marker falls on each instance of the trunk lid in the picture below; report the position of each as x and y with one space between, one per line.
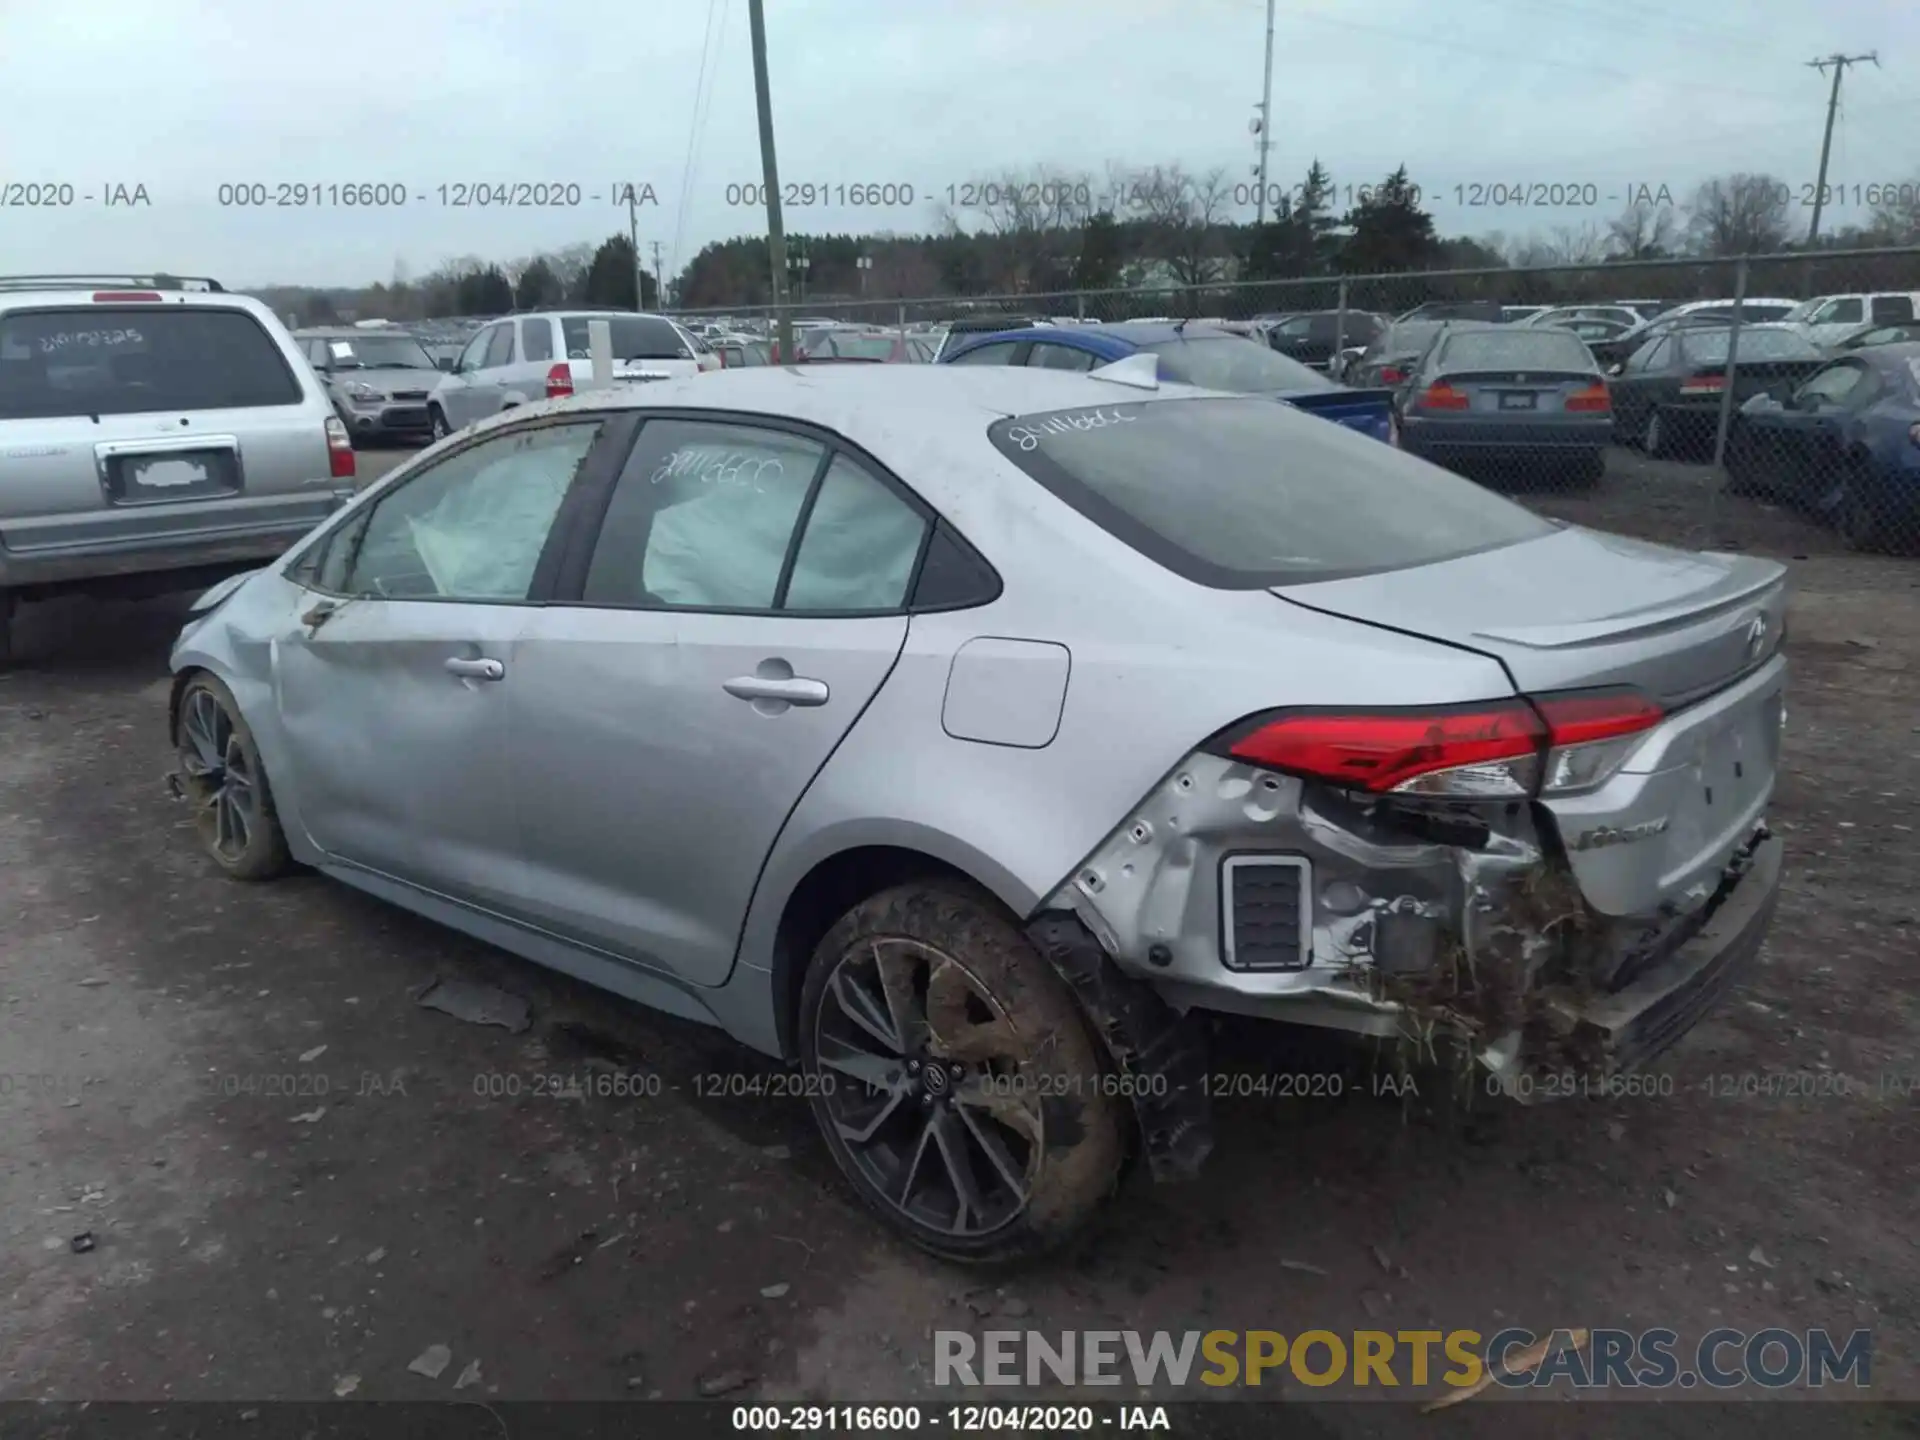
1580 609
1517 392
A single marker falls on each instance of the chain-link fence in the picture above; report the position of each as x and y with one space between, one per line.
1768 403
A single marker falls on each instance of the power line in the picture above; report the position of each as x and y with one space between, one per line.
1838 63
700 82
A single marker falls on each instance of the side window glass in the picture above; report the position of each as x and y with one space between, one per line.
1892 309
471 527
475 352
536 339
1848 311
1001 354
859 547
702 517
1060 357
500 347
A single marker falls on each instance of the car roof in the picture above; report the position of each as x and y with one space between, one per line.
1902 356
190 299
915 405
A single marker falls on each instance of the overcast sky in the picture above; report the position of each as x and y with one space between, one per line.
183 96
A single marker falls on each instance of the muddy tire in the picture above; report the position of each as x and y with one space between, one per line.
437 427
226 785
954 1077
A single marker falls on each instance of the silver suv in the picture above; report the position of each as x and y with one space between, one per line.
156 434
546 354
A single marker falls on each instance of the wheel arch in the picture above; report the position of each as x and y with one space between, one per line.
837 882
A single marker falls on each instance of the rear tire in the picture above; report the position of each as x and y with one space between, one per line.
225 783
6 629
954 1078
1656 439
1861 526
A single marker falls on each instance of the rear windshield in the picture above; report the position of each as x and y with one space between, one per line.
1409 337
1515 350
1711 345
137 360
1240 494
635 337
1232 362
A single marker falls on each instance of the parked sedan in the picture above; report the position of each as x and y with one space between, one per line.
1187 353
1508 399
1392 356
970 737
1694 312
844 343
1667 399
1845 443
1315 337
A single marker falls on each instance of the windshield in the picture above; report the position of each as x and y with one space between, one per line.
1243 494
635 337
1710 346
378 352
1544 349
1231 362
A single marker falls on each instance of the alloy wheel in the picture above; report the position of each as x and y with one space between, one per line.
220 779
933 1098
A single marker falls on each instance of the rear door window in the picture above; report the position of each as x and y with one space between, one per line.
1240 493
137 360
1892 309
536 339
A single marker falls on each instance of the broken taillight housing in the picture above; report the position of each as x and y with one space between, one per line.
1498 750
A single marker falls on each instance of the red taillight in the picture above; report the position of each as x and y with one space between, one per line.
114 297
1444 397
1389 375
1703 385
1593 399
1501 749
1579 717
559 381
339 449
1392 749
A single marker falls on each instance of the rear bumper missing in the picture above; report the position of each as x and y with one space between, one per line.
1628 1028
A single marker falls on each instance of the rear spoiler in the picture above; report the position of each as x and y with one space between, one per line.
1329 403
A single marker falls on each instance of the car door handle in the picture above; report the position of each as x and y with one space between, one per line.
477 669
795 691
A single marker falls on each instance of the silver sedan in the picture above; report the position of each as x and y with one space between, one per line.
968 736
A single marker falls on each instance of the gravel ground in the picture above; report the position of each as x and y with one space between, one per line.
257 1244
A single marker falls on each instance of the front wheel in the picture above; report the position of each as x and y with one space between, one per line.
224 781
954 1078
437 426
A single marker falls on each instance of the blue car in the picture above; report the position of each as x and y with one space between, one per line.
1845 444
1187 354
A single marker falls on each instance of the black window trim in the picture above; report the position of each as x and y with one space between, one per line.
590 516
304 568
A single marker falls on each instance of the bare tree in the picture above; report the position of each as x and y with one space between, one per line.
1185 215
1037 215
1643 232
1744 214
1896 219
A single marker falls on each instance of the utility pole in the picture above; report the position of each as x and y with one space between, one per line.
1266 120
633 238
659 278
770 174
1839 63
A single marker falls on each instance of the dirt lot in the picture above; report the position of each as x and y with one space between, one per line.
260 1246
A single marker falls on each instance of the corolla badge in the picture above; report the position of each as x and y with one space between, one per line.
1757 637
1606 835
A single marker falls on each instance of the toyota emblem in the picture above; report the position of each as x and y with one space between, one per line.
1757 637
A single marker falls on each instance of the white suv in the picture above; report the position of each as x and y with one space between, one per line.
156 434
